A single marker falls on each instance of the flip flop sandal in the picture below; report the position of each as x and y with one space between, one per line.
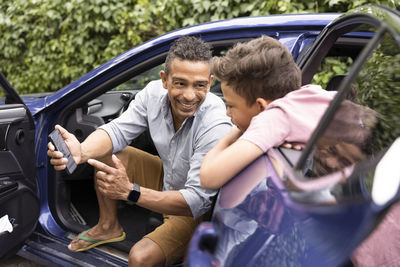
97 242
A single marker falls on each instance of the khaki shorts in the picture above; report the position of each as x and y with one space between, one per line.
174 234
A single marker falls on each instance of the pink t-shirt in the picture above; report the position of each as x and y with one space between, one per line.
291 118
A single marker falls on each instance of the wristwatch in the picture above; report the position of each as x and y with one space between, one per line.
135 193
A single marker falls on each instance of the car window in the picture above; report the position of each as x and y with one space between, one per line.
355 134
138 82
367 120
341 56
331 67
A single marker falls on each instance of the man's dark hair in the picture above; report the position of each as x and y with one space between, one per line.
188 48
262 67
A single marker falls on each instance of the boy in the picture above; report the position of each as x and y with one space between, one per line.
261 86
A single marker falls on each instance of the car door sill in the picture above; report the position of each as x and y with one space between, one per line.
49 251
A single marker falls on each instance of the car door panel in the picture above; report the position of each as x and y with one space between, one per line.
21 205
18 200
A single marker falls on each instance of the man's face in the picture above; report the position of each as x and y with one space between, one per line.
237 108
187 83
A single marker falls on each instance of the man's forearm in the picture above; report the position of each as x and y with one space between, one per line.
166 202
97 145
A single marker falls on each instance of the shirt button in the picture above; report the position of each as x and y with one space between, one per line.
168 175
173 141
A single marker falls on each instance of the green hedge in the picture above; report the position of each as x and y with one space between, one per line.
46 44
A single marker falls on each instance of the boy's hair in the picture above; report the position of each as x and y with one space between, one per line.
188 48
262 67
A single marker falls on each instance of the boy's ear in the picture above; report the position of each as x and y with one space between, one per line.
262 103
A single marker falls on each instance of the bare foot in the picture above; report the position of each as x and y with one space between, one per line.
96 233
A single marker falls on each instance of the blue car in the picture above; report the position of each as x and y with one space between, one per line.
310 217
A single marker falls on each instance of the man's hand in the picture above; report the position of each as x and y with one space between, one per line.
74 146
112 182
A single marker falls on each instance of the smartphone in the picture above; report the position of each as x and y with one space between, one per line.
60 145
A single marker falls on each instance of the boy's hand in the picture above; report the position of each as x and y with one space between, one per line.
233 135
293 146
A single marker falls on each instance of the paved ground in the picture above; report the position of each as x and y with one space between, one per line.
18 261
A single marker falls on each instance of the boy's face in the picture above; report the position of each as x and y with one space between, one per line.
237 108
188 83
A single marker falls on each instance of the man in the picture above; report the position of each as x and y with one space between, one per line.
185 121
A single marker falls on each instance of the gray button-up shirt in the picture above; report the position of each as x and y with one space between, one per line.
182 151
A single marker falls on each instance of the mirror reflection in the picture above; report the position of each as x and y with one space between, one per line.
362 129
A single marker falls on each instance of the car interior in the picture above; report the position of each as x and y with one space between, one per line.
75 202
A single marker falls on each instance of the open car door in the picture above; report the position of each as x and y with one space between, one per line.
316 206
19 204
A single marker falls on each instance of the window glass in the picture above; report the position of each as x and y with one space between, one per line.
138 82
331 67
367 121
341 56
363 127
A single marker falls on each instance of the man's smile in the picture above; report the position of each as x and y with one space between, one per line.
188 107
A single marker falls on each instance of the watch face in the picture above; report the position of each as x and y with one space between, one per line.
134 194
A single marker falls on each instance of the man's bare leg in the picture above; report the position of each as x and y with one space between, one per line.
146 253
108 225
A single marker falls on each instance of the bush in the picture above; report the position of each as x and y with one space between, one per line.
46 44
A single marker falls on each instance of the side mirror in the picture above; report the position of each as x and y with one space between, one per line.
387 176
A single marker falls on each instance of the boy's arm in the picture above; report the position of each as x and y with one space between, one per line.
226 159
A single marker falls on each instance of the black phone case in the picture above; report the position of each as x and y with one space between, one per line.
59 143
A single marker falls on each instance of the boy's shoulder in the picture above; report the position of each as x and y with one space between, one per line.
307 96
310 91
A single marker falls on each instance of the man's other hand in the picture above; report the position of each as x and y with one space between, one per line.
112 182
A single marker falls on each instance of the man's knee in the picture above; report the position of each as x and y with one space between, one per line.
146 253
122 155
